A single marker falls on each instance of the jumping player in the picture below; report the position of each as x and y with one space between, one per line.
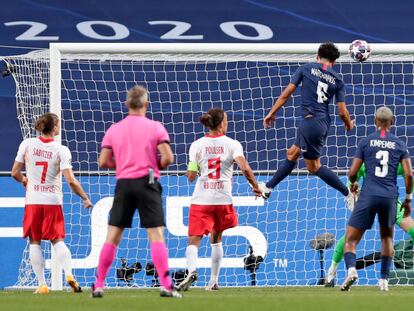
405 223
132 146
381 152
45 160
211 212
320 83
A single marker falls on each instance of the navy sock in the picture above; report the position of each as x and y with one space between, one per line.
332 179
350 260
385 266
284 170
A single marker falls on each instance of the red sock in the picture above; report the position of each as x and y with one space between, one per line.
105 261
159 255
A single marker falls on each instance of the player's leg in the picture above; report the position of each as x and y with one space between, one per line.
387 211
225 217
191 255
387 253
216 259
352 237
64 257
200 223
283 170
120 217
54 230
314 166
159 254
336 259
148 199
38 264
32 228
106 257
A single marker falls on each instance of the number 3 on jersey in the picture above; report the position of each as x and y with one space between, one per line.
214 164
321 90
383 156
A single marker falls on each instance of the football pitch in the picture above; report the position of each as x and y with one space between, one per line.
226 299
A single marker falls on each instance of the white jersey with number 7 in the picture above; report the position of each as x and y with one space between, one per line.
44 160
214 156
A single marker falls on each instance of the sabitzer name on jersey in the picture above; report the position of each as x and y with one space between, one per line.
382 143
42 153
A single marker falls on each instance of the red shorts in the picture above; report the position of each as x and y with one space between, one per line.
43 222
207 218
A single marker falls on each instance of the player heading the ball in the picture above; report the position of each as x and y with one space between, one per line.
320 84
131 146
45 160
212 157
381 152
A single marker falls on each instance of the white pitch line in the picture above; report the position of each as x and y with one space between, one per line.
12 202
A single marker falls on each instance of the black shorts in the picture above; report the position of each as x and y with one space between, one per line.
368 206
132 194
311 137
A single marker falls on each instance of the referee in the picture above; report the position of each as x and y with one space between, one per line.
131 146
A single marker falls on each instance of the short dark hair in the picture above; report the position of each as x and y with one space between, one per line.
329 51
46 123
212 118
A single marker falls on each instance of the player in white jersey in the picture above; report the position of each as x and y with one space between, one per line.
45 160
211 212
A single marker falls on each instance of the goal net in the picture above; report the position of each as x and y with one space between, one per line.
88 89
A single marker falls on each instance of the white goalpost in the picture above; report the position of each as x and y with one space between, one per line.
86 84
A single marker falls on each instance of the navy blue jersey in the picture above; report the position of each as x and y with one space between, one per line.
381 152
319 85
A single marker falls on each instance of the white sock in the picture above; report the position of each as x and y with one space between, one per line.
64 257
38 263
216 258
352 271
191 253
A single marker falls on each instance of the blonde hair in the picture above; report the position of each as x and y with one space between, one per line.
137 97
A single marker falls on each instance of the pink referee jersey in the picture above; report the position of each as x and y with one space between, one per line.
134 142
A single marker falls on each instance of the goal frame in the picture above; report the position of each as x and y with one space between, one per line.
56 50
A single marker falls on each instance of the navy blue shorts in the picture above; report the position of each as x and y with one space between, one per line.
368 206
311 137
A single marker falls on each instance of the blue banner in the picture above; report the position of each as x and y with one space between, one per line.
279 230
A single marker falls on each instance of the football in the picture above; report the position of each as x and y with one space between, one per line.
359 50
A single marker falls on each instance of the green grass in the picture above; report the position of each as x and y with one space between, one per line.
226 299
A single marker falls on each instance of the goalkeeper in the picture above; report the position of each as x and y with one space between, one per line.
407 224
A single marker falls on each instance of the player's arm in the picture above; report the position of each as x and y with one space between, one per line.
192 171
280 102
166 155
361 174
408 177
19 163
248 173
343 113
17 173
106 158
353 171
76 187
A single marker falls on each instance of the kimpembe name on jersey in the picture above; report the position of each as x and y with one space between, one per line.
382 143
322 75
